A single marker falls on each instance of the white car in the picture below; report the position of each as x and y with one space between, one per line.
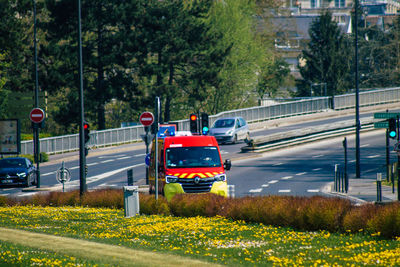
230 130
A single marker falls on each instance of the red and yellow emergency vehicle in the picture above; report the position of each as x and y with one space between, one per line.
188 164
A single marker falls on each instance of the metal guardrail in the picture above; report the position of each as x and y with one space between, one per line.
279 140
67 143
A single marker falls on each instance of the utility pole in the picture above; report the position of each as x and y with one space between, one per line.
82 156
358 126
36 126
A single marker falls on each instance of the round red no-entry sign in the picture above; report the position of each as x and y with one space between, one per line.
146 118
37 115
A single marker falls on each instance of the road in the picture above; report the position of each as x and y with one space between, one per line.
305 170
301 170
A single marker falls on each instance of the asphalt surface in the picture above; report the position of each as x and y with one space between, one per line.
360 190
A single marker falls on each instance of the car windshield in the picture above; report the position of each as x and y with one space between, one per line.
225 123
184 157
12 163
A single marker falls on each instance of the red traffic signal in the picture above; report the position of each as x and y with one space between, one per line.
86 130
193 123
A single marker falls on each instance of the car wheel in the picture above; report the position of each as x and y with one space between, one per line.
35 181
28 182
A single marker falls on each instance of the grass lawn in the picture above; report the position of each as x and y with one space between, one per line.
196 240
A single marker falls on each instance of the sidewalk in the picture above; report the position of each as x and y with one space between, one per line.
364 190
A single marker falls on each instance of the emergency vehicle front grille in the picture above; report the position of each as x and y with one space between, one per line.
203 185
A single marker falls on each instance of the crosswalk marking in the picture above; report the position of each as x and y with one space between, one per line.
287 177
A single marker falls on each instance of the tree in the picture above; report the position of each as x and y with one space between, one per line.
103 72
245 52
326 58
272 76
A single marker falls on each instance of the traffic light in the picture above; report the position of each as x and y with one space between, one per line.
86 129
193 123
392 128
204 124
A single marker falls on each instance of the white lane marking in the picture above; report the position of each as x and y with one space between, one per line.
109 160
373 156
313 190
317 156
91 164
73 168
139 155
284 191
258 190
128 157
317 169
365 145
113 156
273 181
264 185
301 173
277 164
6 194
47 174
352 160
287 177
98 177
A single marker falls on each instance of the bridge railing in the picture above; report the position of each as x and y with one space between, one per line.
67 143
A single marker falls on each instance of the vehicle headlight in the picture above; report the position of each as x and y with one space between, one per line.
220 177
230 132
22 174
171 179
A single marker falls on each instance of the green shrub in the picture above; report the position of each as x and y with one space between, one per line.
358 217
323 213
43 155
108 198
149 205
386 221
189 205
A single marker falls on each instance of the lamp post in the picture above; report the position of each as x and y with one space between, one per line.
36 125
82 156
358 175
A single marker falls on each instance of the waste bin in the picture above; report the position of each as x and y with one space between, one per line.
131 201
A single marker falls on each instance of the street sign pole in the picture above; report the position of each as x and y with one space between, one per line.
147 129
36 116
157 111
147 119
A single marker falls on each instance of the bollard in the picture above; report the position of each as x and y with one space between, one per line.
335 188
379 187
131 201
130 177
231 190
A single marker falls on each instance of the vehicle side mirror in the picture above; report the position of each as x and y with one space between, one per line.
227 164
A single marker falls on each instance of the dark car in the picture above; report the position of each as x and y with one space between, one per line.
17 171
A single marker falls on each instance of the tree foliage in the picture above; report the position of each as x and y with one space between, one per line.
326 58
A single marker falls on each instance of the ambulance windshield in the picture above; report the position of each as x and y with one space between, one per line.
189 157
